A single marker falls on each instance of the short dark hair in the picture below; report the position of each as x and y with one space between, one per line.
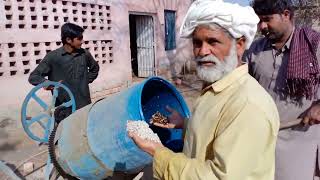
268 7
69 30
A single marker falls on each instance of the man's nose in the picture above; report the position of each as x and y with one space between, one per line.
263 25
204 50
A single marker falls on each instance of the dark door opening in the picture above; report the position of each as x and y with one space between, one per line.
142 45
133 45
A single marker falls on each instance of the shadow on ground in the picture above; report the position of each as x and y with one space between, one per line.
5 144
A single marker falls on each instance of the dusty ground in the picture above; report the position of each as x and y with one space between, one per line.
16 148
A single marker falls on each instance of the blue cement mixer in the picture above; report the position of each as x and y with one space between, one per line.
93 142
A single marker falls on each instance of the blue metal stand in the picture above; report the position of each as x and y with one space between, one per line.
46 117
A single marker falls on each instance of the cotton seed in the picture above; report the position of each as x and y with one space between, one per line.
141 128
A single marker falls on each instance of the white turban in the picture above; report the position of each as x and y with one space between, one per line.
237 20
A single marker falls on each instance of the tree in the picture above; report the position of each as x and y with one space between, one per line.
307 12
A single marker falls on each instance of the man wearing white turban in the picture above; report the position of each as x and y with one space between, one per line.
232 133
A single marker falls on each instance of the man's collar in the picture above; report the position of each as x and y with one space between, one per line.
287 44
227 80
64 52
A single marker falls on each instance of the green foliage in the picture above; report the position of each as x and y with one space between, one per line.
307 12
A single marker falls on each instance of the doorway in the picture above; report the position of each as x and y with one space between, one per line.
142 45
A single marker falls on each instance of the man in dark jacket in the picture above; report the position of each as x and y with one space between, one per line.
71 65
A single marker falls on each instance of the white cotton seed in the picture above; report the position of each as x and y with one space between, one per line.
141 128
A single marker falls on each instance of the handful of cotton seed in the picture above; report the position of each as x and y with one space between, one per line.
141 128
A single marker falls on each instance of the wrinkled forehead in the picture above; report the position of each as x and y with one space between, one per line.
211 30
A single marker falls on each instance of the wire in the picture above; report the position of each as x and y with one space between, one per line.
24 161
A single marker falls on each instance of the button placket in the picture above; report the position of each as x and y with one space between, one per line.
274 70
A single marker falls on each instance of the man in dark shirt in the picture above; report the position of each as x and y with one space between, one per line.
71 65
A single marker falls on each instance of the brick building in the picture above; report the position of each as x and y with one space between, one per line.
128 38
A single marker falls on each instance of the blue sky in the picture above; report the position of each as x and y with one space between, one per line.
241 2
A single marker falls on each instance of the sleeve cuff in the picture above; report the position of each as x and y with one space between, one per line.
161 160
185 125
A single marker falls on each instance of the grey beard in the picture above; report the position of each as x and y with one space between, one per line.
220 69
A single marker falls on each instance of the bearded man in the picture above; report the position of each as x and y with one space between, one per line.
232 133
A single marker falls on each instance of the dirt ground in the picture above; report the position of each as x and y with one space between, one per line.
16 148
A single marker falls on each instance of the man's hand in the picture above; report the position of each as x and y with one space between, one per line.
48 88
313 115
51 87
148 146
175 120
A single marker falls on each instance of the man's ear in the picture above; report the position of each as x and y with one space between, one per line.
68 40
286 14
241 46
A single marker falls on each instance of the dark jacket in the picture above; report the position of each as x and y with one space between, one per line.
75 70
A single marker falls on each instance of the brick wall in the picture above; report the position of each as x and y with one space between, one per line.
29 29
41 19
